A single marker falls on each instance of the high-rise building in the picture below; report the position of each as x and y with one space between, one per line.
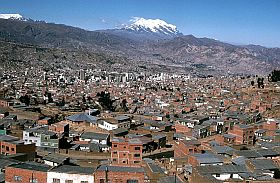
82 74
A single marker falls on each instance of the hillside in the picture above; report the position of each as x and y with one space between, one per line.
171 53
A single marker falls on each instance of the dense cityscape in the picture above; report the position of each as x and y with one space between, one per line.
150 128
112 92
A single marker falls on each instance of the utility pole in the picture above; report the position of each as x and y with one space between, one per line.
106 174
32 176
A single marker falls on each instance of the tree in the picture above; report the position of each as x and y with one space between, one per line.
274 76
252 83
84 99
124 105
105 101
260 82
50 99
276 174
25 99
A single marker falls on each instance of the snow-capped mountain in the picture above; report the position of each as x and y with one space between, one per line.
153 26
12 16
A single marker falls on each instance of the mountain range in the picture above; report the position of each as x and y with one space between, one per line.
143 45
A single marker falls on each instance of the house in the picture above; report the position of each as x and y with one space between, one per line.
55 160
183 148
115 123
42 138
44 121
73 174
108 125
215 173
205 159
262 165
82 118
250 154
92 137
153 171
60 128
3 113
223 150
10 145
244 134
119 174
126 152
26 172
160 140
201 131
170 179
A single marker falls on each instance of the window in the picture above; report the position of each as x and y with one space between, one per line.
217 175
136 155
132 181
101 180
124 162
115 152
137 148
56 180
115 145
7 148
124 147
84 181
17 178
114 159
136 162
68 181
33 180
124 154
3 146
13 149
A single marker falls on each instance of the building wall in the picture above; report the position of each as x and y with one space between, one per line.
25 175
77 178
31 139
124 153
10 148
46 141
243 136
29 149
117 177
108 126
182 150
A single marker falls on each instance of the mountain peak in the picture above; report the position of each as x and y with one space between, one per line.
12 16
159 26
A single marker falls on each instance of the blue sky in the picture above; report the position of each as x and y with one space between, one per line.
234 21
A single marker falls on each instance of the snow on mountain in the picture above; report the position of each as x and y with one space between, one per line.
12 16
152 26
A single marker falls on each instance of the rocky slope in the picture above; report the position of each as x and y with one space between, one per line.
156 44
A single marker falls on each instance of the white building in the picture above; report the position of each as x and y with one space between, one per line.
73 174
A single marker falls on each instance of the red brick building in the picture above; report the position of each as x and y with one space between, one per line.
26 172
126 152
183 148
244 134
44 121
270 127
60 127
12 145
117 174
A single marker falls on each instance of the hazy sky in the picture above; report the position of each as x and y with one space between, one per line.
234 21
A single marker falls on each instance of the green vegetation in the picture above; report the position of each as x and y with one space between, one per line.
274 76
105 100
